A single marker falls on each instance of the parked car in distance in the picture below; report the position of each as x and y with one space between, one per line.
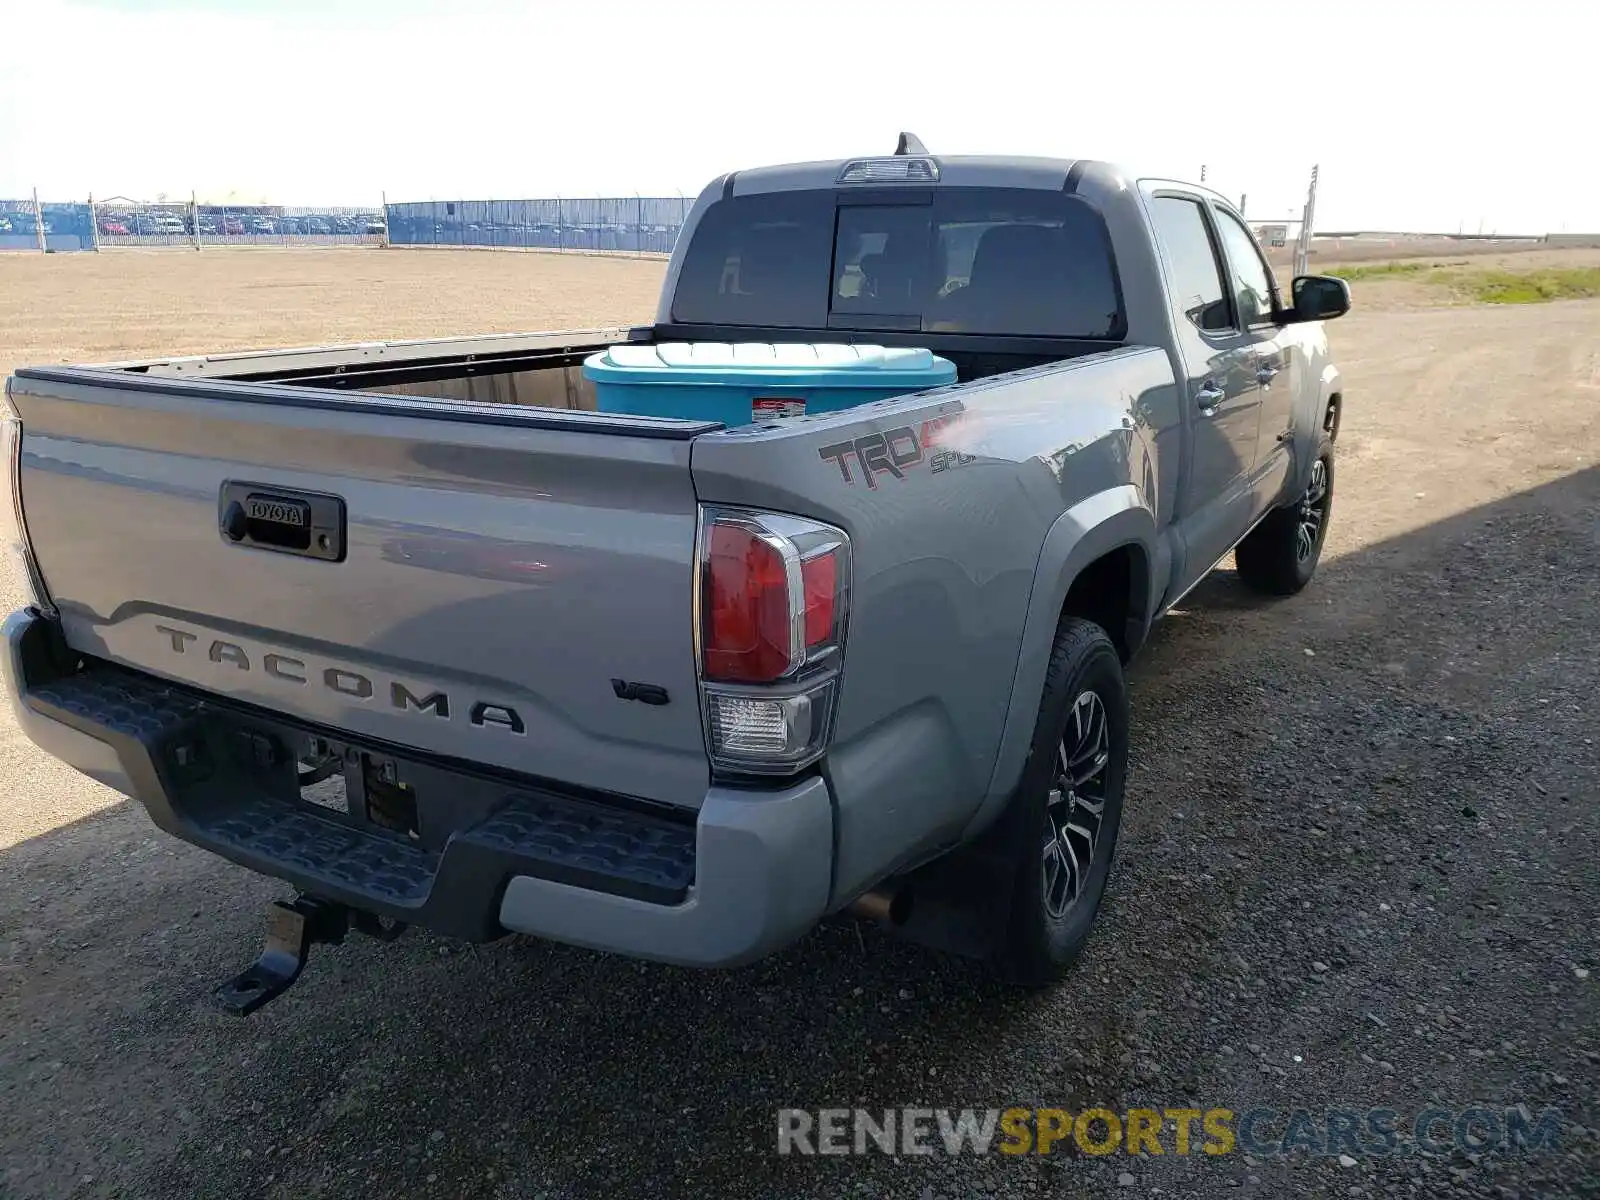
233 226
114 228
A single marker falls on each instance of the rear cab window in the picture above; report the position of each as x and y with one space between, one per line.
759 260
990 261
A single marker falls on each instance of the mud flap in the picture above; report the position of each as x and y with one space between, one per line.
963 899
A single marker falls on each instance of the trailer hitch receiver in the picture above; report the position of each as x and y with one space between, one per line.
293 927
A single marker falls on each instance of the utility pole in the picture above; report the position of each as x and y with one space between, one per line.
194 217
38 221
1303 248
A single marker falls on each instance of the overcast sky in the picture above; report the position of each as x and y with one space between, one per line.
1422 114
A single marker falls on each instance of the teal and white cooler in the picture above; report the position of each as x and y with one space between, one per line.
756 381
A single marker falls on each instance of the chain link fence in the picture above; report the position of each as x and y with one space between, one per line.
604 225
122 222
61 226
125 223
601 225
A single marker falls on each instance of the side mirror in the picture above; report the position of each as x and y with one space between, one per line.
1318 298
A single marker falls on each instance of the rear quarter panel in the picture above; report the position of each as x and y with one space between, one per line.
949 497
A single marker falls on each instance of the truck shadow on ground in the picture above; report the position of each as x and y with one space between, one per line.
521 1068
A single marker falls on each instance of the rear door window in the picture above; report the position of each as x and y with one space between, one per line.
1194 271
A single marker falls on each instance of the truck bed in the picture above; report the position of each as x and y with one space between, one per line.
535 369
542 370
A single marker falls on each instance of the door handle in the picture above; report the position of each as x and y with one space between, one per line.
1208 395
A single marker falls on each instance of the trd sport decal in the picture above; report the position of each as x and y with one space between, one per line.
895 452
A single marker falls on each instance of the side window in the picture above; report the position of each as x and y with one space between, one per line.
1252 281
1196 273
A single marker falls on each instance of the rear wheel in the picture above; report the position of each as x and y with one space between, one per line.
1070 806
1281 554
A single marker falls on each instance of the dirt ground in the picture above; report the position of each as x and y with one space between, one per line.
125 304
1357 868
1349 250
130 304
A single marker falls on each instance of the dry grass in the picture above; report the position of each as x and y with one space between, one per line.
143 303
1530 287
1529 277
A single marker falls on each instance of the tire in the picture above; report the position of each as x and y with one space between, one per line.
1276 559
1042 937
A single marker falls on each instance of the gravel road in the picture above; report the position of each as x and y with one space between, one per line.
1358 870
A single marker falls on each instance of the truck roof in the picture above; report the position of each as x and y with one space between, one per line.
978 170
951 170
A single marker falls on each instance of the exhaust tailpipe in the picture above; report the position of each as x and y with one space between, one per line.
886 906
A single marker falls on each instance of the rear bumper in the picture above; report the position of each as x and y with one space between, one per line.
748 875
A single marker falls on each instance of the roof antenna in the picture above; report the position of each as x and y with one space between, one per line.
910 143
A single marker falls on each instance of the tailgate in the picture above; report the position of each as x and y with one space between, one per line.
489 572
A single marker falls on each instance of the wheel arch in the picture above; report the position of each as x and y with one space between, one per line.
1110 536
1332 414
1324 420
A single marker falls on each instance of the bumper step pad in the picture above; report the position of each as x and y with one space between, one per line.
175 743
588 846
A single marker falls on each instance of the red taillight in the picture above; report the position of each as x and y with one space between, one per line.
821 579
773 597
773 591
747 629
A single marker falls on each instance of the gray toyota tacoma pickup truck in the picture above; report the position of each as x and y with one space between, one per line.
658 686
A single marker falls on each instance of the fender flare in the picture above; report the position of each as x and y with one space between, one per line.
1310 436
1088 530
1330 385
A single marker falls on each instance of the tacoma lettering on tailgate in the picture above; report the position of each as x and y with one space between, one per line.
289 671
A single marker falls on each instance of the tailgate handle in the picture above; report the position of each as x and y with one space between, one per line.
263 517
